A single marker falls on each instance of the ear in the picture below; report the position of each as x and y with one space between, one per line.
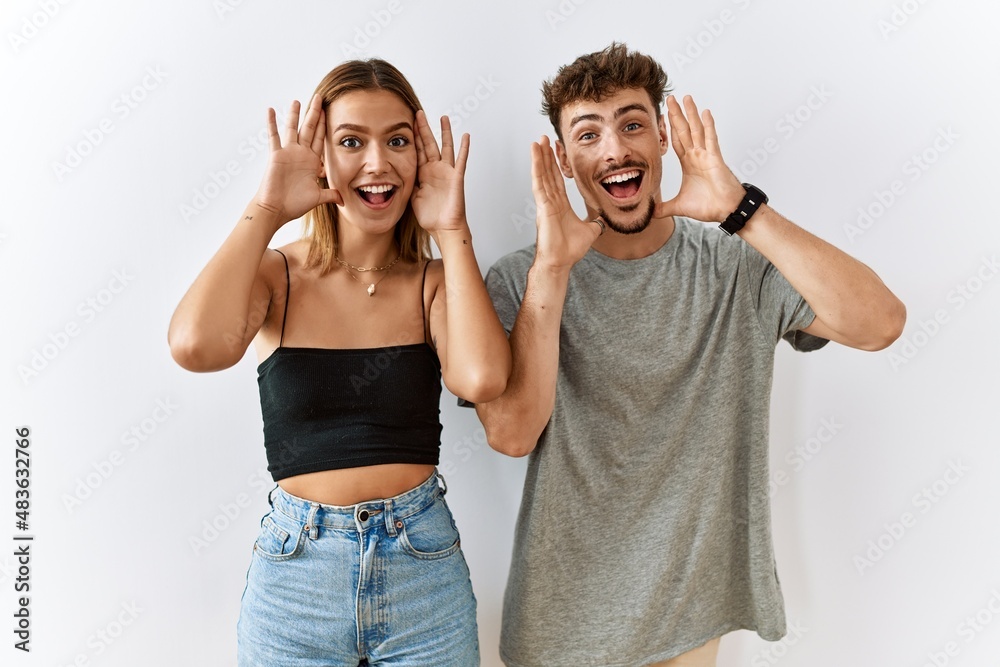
563 158
661 127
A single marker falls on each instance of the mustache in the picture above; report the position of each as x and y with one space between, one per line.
627 164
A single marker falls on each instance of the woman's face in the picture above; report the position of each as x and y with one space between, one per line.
370 157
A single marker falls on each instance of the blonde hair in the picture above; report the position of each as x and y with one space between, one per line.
320 226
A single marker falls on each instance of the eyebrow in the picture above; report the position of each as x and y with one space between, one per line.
619 112
364 130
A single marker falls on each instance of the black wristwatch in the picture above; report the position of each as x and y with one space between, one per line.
751 202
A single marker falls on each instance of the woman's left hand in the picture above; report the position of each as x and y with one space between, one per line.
439 197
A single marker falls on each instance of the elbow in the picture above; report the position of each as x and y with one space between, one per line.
515 447
506 435
193 354
890 327
482 387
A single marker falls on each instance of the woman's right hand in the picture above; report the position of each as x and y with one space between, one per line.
290 187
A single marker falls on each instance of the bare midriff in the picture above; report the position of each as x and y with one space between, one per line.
350 486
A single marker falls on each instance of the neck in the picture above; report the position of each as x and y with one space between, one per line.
367 249
634 246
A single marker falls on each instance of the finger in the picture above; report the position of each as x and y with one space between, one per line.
447 141
694 122
555 177
463 154
711 138
292 124
547 162
310 123
417 141
537 168
680 134
427 137
272 130
320 137
331 196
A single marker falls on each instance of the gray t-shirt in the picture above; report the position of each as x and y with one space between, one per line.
644 529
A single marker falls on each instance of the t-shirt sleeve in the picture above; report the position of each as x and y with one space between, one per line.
781 310
502 288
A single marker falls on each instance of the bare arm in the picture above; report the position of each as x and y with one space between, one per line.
517 418
852 305
225 307
468 336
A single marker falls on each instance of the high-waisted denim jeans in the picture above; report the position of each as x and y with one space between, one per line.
383 582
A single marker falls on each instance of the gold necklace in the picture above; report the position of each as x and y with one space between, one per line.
361 269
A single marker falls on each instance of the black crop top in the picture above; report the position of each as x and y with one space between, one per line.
326 409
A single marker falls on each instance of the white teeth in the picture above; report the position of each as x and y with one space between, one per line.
620 178
376 189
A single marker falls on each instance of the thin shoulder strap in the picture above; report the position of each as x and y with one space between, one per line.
288 287
423 309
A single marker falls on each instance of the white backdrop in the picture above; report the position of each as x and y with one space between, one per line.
132 140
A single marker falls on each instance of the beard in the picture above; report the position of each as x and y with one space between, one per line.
633 227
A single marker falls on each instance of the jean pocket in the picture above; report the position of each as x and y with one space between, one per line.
275 543
430 534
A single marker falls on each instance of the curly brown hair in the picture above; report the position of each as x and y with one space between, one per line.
598 75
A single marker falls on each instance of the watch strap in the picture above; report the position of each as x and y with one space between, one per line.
752 200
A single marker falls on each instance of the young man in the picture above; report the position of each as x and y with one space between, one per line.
643 346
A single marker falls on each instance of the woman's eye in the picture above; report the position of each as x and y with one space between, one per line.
350 142
398 142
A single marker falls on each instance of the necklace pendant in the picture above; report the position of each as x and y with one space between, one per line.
371 290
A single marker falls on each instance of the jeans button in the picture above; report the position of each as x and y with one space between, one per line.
363 515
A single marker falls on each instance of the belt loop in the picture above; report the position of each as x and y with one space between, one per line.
311 521
390 521
441 483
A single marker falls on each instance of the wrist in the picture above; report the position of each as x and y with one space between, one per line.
457 236
258 213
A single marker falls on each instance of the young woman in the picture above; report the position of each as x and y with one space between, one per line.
358 561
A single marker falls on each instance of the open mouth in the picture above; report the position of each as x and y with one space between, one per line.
376 196
623 185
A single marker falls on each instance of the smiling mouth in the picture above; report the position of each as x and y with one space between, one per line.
623 185
376 196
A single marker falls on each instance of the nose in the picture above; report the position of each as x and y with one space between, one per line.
615 150
376 159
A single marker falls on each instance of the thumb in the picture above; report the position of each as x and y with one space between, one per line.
331 196
666 208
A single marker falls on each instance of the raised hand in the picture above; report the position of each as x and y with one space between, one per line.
709 190
563 238
438 199
289 188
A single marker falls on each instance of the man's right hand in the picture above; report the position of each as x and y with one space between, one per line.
290 188
563 238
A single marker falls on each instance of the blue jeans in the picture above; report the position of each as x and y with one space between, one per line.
383 582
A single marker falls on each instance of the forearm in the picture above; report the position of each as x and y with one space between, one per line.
478 355
849 299
212 326
517 418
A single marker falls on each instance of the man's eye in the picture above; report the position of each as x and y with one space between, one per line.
587 136
632 126
350 142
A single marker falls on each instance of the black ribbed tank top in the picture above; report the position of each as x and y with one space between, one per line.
326 409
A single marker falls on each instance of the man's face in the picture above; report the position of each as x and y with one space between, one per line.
614 150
